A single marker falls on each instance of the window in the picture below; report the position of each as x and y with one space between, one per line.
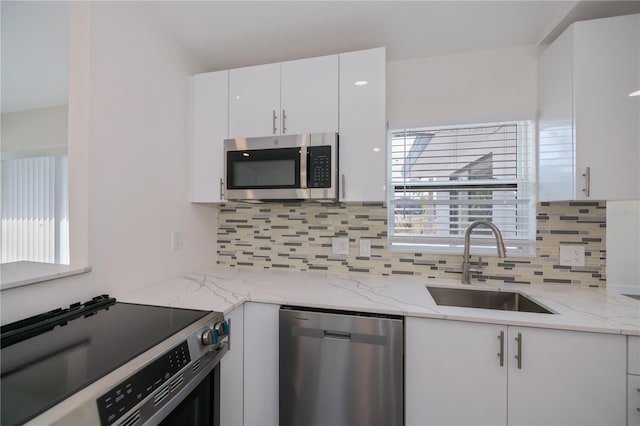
444 178
35 219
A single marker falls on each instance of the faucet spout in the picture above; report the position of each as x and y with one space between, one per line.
466 275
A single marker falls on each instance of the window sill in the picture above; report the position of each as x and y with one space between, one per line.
459 251
16 274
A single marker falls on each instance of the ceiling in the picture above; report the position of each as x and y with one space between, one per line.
224 35
229 34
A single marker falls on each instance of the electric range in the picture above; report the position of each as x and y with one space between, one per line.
107 362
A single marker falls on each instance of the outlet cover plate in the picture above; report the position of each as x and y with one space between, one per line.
365 247
571 255
340 245
176 240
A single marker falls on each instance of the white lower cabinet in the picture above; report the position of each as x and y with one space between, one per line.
566 378
633 400
261 364
633 380
453 375
231 372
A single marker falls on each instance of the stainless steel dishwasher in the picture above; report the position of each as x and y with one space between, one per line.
340 368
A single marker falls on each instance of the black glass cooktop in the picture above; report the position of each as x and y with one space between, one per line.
43 370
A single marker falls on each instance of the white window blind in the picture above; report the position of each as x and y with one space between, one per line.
443 179
35 225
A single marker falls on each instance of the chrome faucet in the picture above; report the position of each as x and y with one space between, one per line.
467 238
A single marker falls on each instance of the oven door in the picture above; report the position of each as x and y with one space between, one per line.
197 404
200 406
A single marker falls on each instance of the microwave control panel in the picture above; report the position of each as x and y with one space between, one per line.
319 167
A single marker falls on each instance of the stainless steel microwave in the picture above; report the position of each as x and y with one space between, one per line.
288 167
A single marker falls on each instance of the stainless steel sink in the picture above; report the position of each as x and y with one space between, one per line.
485 299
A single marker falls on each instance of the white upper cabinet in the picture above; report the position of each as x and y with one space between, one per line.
254 101
589 126
209 130
363 125
285 98
309 95
343 93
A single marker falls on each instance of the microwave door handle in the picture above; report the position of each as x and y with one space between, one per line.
304 166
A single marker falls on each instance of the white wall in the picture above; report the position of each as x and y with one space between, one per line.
34 132
623 246
475 87
129 159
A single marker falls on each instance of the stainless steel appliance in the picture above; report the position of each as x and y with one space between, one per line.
112 363
289 167
340 368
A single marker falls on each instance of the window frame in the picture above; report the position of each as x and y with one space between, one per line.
524 186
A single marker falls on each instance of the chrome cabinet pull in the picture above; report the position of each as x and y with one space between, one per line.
587 188
274 121
519 355
221 189
501 353
343 187
284 117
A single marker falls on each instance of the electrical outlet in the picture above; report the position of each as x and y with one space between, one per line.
365 247
340 245
571 255
176 240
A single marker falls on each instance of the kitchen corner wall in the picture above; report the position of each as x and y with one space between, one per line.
128 120
298 237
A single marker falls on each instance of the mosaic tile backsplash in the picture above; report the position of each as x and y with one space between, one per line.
298 236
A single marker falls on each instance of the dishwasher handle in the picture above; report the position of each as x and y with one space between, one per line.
321 333
338 335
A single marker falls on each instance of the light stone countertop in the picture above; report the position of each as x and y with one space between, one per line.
224 288
16 274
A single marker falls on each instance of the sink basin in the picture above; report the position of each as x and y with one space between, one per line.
485 299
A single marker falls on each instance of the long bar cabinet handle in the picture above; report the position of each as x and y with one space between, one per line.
221 189
587 188
284 117
501 353
519 354
275 117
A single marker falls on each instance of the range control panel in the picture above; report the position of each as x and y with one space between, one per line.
113 404
319 167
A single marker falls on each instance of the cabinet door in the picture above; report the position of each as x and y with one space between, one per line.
633 346
453 373
607 120
254 100
261 364
566 378
231 372
556 150
633 400
309 95
363 125
210 118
